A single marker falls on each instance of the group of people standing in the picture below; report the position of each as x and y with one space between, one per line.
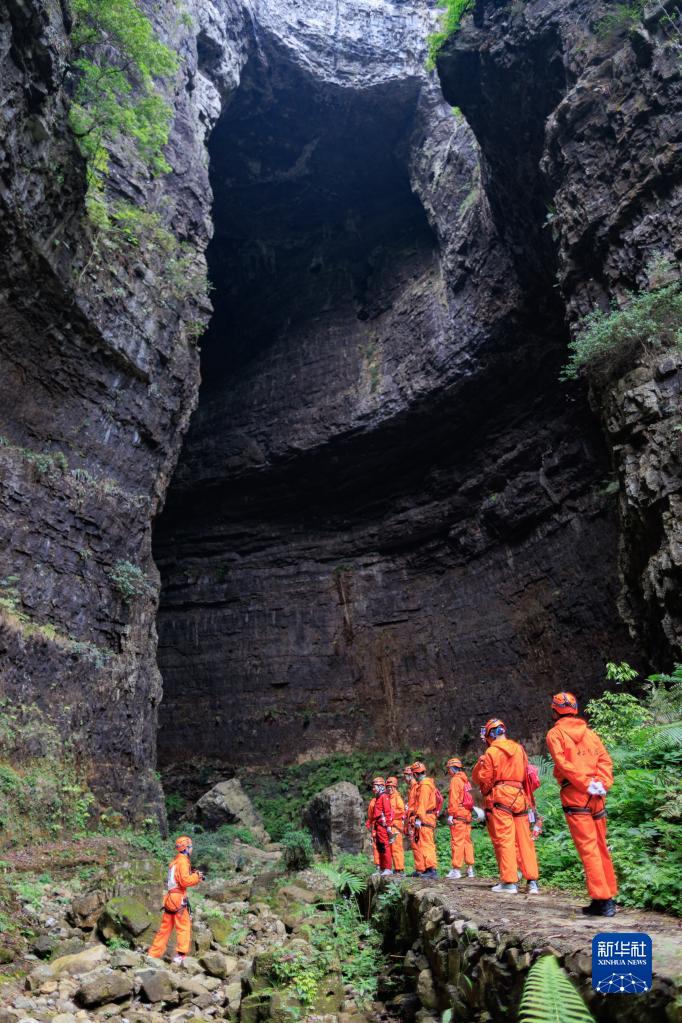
506 780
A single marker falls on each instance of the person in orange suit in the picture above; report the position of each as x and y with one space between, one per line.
176 910
500 773
584 771
410 786
422 817
398 807
459 819
369 824
382 821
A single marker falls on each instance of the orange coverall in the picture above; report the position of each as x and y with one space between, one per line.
579 757
397 850
423 806
175 910
499 774
369 824
382 820
460 832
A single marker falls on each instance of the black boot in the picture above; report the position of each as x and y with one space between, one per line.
595 908
431 872
416 873
608 908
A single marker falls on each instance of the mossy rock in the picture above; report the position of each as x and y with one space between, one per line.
127 918
222 930
255 1008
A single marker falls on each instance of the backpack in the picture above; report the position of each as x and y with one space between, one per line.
439 800
467 796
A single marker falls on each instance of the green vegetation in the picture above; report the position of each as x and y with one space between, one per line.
42 792
608 342
454 11
280 795
621 19
548 996
297 850
116 59
129 580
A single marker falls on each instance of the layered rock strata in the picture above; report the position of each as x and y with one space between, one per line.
390 520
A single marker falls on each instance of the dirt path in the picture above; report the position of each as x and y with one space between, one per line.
554 917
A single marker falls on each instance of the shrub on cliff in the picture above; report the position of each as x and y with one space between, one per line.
297 850
608 342
454 12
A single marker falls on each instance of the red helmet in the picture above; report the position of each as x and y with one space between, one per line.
378 781
565 703
183 843
418 767
392 781
490 726
454 762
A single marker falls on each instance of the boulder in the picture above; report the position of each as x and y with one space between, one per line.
127 918
215 963
157 986
85 910
227 803
43 946
79 962
102 986
335 817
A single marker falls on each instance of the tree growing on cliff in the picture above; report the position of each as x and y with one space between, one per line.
116 63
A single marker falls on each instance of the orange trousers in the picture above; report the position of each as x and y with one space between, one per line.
424 849
510 836
589 836
461 846
398 851
375 852
182 922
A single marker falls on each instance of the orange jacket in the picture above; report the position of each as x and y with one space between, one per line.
499 774
398 807
455 795
382 811
423 803
180 874
579 757
410 796
369 823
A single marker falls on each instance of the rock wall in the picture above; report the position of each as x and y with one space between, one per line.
98 376
389 520
460 955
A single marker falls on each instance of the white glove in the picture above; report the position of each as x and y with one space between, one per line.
478 813
451 819
595 788
417 822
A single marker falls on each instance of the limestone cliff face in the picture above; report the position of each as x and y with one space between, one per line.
389 518
595 106
98 377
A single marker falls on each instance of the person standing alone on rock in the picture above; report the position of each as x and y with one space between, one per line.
584 771
423 817
500 774
398 807
176 909
460 805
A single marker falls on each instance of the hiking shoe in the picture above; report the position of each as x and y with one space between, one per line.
399 873
431 872
454 872
385 873
608 908
416 873
594 908
470 871
178 960
506 888
532 888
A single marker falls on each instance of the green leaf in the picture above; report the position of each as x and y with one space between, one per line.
549 996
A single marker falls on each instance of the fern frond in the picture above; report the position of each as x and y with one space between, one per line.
549 996
545 766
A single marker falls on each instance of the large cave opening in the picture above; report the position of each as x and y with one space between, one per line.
386 518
